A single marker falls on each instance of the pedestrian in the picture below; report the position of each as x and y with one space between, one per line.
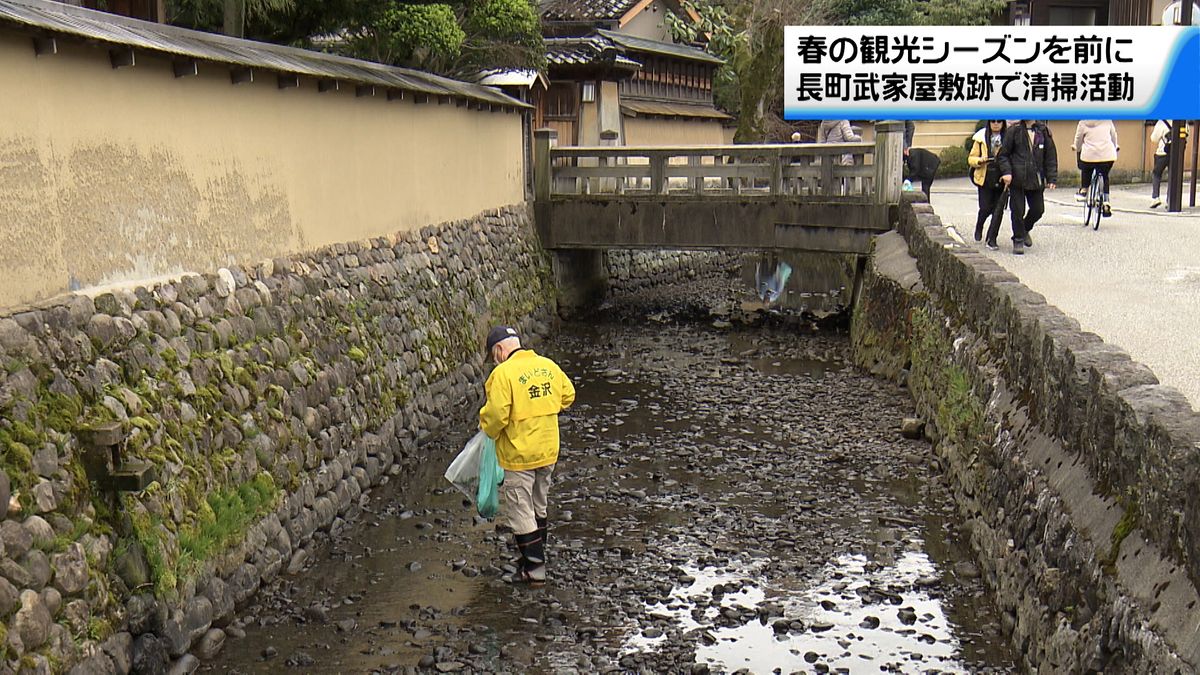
985 145
1097 144
923 165
1161 136
525 394
1028 163
838 131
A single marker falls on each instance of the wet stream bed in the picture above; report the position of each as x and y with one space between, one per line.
725 500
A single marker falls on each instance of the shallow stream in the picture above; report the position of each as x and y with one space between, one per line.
725 500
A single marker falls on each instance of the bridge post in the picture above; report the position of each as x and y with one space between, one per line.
609 138
543 140
776 187
658 174
889 161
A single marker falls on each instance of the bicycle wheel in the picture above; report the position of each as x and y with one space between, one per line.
1092 206
1096 197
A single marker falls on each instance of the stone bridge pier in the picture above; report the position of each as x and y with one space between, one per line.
581 276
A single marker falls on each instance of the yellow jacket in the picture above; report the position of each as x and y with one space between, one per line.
979 158
524 396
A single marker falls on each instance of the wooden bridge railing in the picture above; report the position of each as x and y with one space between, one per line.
813 170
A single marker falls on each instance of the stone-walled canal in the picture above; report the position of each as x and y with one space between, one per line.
727 499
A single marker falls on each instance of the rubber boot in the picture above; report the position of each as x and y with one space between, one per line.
541 524
533 559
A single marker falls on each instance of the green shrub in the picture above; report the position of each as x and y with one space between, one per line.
954 162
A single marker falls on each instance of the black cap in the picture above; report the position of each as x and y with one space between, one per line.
499 334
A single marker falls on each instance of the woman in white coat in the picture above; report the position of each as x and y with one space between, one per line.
1096 143
1161 138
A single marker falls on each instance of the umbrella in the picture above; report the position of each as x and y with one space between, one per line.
998 211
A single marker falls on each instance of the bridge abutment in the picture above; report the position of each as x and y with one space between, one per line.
581 276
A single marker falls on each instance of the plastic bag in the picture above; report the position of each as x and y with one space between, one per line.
487 499
463 472
476 473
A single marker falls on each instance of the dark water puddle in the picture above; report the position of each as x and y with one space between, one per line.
740 500
783 360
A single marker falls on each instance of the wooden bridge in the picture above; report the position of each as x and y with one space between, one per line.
811 197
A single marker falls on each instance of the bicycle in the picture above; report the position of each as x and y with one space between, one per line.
1094 202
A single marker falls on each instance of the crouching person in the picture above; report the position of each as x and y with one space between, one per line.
525 393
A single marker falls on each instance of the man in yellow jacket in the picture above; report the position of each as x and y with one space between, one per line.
525 393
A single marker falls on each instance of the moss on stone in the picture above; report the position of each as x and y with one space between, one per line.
16 456
146 424
207 399
26 434
79 527
96 415
59 412
1127 524
98 629
145 533
225 362
357 355
959 412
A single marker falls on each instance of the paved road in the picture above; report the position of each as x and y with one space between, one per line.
1135 282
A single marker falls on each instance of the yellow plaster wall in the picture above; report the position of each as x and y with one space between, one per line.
662 131
119 175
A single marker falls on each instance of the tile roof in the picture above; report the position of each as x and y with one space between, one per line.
638 44
590 50
635 107
585 10
111 29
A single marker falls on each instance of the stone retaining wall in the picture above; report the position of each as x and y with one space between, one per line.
1075 470
631 270
267 399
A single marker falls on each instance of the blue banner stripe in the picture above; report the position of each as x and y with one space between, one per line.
1177 97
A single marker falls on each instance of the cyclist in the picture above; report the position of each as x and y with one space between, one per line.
1096 142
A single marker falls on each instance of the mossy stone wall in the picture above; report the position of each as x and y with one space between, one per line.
1075 470
266 399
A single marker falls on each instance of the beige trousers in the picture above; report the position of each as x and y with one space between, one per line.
523 497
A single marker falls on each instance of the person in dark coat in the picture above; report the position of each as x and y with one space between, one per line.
922 164
1028 163
986 177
